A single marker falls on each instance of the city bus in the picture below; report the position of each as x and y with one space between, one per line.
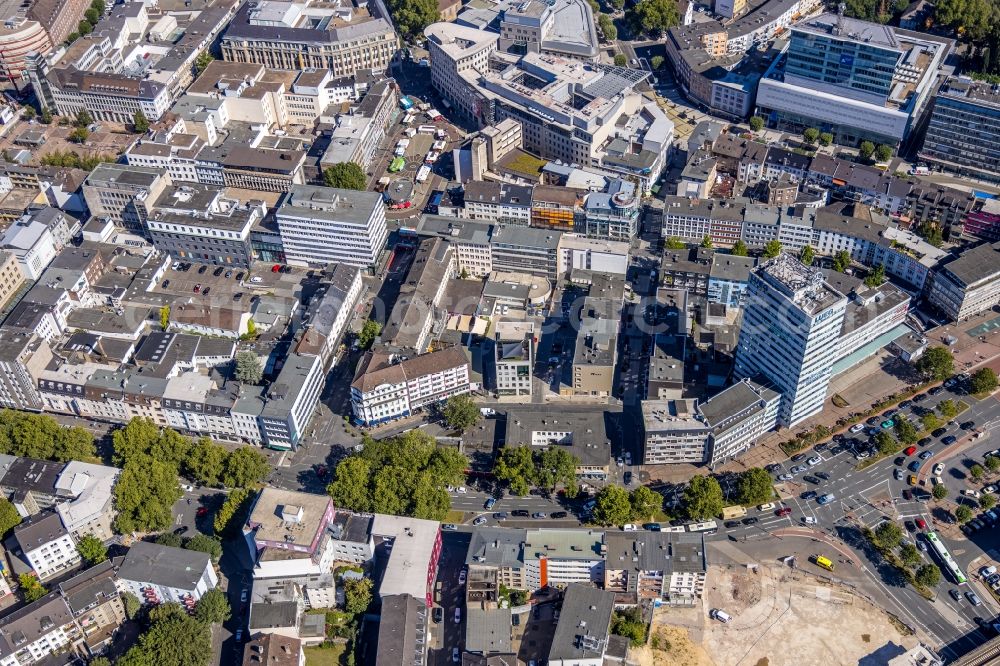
948 562
823 562
397 165
708 527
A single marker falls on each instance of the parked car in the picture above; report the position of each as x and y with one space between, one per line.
926 454
449 527
458 616
950 439
558 514
826 499
520 513
481 520
910 450
490 502
938 469
538 514
784 511
940 432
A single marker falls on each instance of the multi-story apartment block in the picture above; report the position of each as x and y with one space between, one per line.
385 388
963 135
569 109
498 202
469 238
289 401
32 245
329 310
162 574
308 34
790 334
674 432
124 193
557 208
613 214
520 250
358 133
411 322
596 347
46 545
37 630
738 416
718 430
581 635
559 557
23 357
968 285
582 433
90 509
514 357
728 278
112 75
286 532
59 19
321 225
11 276
644 567
19 37
582 253
196 223
565 28
855 79
871 312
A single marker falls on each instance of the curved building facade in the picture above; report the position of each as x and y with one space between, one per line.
20 36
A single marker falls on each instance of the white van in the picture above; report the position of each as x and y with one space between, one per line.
720 615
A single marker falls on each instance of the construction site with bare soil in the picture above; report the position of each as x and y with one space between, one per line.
778 616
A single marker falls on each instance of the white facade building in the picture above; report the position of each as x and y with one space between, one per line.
160 574
514 357
322 225
47 546
790 334
592 254
383 391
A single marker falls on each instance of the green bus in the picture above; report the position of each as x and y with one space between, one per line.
397 165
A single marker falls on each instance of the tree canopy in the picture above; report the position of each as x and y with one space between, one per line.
888 535
346 175
460 412
249 369
523 468
740 249
754 487
402 475
368 333
357 595
92 550
9 517
244 466
31 587
612 506
40 436
213 607
140 123
412 16
936 363
203 543
146 490
653 17
885 443
983 380
703 498
173 639
807 255
842 261
772 249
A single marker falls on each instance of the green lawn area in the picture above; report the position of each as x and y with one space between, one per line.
454 516
325 655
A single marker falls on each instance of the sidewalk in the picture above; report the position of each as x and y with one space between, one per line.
861 387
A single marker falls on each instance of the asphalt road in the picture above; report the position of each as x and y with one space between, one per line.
869 496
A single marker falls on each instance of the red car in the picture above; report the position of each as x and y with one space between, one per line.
921 523
784 511
910 450
201 512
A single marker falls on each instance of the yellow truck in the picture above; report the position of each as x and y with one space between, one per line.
736 511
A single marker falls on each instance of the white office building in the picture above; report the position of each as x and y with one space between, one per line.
790 334
323 225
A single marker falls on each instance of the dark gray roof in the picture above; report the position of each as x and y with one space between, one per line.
93 586
29 623
274 615
29 474
496 547
980 263
163 565
582 631
591 439
732 268
487 630
735 404
350 527
38 530
401 631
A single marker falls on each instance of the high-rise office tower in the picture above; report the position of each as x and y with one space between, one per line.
790 333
